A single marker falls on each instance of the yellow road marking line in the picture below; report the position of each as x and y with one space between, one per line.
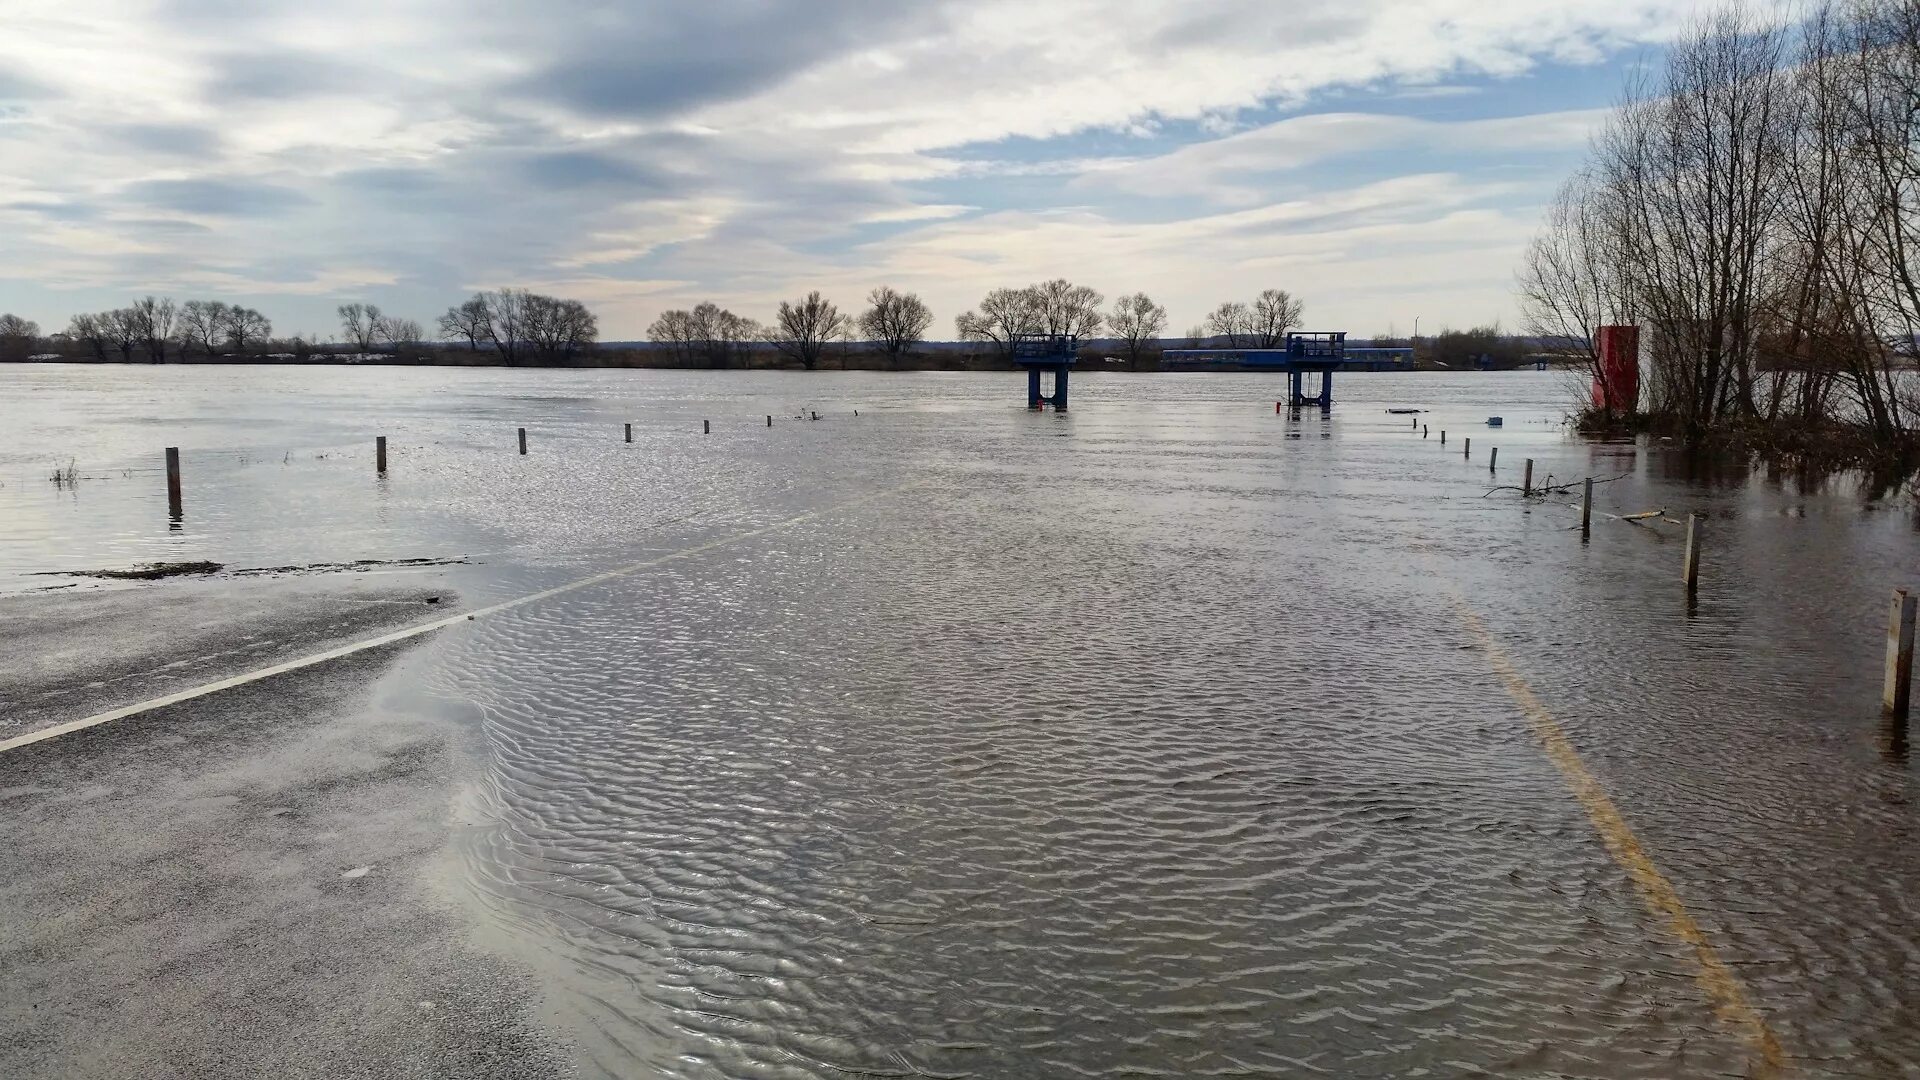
404 633
1730 999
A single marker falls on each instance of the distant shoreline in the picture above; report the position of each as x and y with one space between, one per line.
645 360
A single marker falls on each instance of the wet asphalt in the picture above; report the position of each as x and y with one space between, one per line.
249 884
90 647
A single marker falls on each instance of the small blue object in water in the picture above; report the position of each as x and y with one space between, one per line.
1494 421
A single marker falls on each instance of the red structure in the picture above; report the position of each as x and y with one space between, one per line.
1616 388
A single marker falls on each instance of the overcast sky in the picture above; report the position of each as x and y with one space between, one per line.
1382 159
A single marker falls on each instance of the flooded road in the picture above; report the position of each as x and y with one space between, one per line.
1170 736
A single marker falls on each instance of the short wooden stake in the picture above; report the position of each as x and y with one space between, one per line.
1526 482
523 440
1899 691
1493 459
706 427
629 432
380 453
1586 508
1691 572
173 480
1443 436
1468 452
1423 431
769 421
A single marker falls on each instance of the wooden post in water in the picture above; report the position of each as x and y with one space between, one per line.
1899 690
1526 483
1493 459
380 453
769 421
523 440
1691 572
173 481
1423 431
1586 509
629 432
706 427
1443 436
1468 452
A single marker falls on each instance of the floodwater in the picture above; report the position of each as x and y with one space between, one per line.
1166 737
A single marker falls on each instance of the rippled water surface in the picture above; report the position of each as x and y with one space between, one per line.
1153 739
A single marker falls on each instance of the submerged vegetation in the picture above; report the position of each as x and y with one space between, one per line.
1754 208
153 571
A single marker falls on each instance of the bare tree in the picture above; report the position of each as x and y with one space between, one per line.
1274 313
395 332
1138 322
91 332
556 329
1065 308
124 331
360 325
203 324
804 329
674 329
153 321
17 337
1870 57
1232 320
467 321
1691 174
507 323
723 338
244 326
896 322
1003 314
1570 288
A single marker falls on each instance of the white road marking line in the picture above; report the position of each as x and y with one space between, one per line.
404 633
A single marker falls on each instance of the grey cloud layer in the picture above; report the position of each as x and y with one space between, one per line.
656 153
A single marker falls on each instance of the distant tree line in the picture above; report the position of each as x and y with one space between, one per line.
521 326
155 328
1754 207
518 326
805 331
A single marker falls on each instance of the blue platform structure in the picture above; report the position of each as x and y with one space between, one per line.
1046 352
1319 352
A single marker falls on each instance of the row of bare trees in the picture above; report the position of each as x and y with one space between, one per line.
1263 324
1136 323
368 329
894 323
803 330
156 327
1754 207
522 326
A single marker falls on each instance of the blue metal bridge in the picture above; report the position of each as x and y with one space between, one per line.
1306 353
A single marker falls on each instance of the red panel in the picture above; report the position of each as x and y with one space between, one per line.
1619 349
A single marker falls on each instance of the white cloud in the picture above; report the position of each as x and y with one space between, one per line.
1223 169
653 154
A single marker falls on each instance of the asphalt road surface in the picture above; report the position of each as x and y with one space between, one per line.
247 884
